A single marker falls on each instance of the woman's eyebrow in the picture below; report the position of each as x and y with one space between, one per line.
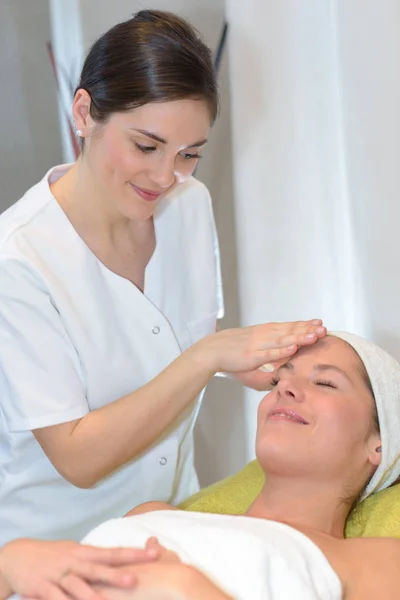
157 138
320 367
151 135
327 367
198 144
287 365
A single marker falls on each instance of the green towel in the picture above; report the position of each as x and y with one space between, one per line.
377 516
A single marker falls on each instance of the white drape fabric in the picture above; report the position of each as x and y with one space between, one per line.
316 128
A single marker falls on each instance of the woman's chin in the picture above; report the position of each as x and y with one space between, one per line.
278 458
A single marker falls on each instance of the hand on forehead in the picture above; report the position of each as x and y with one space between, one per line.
329 351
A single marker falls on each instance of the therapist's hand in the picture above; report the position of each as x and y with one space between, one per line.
64 570
243 351
258 379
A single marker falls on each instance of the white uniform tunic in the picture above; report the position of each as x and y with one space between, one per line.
75 336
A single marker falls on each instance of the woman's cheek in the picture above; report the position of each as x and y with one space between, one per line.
265 406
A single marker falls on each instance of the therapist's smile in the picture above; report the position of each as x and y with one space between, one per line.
148 195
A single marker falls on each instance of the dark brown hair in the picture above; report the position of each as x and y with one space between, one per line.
155 56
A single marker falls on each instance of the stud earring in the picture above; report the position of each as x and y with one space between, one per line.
79 132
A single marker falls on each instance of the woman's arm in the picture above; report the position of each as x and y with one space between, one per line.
86 450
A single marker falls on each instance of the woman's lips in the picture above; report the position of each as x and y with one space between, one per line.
146 194
284 414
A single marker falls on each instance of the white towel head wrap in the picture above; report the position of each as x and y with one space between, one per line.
384 373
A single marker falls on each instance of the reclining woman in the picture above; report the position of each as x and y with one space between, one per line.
327 437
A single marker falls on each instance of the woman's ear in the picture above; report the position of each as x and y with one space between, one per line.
375 449
81 112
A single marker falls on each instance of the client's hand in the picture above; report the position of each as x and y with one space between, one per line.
64 570
154 548
167 579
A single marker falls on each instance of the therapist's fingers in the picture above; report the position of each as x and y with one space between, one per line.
273 355
116 556
248 348
299 325
304 329
300 333
294 326
292 339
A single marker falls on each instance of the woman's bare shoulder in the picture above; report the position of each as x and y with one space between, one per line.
368 568
149 507
372 568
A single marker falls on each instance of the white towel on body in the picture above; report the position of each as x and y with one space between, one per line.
248 558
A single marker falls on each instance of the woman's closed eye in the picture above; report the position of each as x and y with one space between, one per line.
330 384
325 383
191 156
145 149
185 155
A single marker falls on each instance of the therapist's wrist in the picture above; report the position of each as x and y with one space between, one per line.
201 356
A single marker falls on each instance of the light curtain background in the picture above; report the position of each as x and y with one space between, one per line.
315 92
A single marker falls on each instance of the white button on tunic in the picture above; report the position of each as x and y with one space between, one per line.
74 336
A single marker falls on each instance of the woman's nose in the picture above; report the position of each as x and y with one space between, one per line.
164 174
288 388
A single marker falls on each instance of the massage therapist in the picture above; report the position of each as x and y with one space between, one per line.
110 293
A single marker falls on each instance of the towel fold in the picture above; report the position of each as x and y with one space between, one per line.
384 373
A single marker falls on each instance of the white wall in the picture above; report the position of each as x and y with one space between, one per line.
316 129
30 140
220 435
